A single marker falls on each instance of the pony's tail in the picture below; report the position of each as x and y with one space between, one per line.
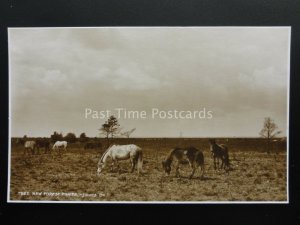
227 163
201 163
226 158
140 162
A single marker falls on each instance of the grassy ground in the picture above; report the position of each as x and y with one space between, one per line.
255 176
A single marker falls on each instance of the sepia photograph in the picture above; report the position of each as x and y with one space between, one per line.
149 115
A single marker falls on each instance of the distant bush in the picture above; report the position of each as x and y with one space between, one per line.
83 138
56 137
70 138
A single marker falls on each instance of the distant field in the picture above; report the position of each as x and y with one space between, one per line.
255 175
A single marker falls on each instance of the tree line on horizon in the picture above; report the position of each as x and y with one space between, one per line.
111 129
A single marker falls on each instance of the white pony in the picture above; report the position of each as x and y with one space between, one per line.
60 145
122 152
29 145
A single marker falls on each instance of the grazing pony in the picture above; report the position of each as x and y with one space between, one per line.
219 152
29 145
194 156
60 145
43 143
20 141
122 152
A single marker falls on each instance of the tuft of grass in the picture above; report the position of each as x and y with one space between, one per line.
122 178
266 174
248 198
279 175
258 180
249 175
210 193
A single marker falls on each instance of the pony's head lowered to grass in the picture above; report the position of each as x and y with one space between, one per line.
167 166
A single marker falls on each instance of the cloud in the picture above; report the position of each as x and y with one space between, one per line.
132 77
234 71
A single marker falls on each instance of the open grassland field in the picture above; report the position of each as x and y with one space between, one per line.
71 176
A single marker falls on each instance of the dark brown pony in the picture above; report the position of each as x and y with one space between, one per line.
43 143
219 152
194 157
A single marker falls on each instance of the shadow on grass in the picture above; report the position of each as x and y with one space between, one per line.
207 178
195 178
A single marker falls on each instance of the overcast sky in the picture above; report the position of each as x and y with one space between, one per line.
240 74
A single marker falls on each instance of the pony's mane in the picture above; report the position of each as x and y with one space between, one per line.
170 154
101 159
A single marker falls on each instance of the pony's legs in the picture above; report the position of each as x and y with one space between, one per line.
193 171
192 174
115 161
226 159
202 170
112 166
133 167
222 164
177 174
215 162
218 163
133 163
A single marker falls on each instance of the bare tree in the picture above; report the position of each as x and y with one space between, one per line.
110 128
269 131
128 133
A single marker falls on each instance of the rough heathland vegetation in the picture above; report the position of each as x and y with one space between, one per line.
254 175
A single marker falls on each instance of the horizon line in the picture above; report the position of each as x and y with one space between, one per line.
159 137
